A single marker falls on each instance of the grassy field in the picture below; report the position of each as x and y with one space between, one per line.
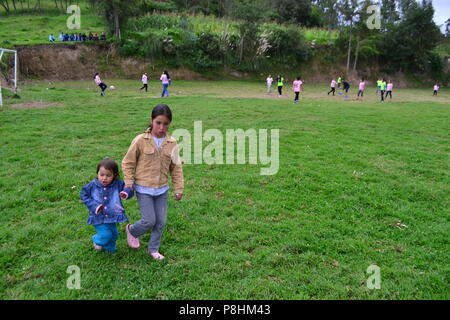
359 183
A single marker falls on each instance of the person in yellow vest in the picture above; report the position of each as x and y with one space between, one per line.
383 86
339 81
379 82
280 81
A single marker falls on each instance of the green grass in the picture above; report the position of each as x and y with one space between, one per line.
31 29
349 171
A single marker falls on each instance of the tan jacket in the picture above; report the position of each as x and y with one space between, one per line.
147 166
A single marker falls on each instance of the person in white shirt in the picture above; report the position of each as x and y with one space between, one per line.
144 81
269 82
165 80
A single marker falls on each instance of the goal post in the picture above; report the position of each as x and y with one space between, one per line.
2 51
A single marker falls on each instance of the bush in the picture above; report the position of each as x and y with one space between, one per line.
436 68
160 22
288 45
151 6
173 40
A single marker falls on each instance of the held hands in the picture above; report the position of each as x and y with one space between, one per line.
178 196
123 195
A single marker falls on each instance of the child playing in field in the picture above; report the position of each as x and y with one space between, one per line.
389 87
102 196
333 87
151 157
379 82
269 82
339 81
297 86
362 86
144 82
99 82
165 80
280 81
346 86
383 87
435 89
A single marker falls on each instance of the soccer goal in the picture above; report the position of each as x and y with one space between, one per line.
2 51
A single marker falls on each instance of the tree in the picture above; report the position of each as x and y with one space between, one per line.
330 14
389 13
293 11
5 5
116 13
447 27
250 11
367 40
409 44
349 11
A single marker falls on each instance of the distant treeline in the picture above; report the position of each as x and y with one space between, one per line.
261 33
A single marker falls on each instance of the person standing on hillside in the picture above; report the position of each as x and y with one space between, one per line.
144 82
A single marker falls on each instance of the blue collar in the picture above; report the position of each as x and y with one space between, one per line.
99 184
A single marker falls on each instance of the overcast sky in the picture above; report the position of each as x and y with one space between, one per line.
441 12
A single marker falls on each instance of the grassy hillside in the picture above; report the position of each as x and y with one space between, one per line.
29 29
35 27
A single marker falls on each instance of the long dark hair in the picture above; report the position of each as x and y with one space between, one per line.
160 110
96 74
167 74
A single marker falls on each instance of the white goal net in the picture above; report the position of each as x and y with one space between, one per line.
2 53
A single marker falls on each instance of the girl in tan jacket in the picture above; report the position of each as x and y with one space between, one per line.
151 157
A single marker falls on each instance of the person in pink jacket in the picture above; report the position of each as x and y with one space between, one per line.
332 86
362 86
435 89
389 87
297 86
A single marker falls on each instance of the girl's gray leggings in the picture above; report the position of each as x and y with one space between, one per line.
153 218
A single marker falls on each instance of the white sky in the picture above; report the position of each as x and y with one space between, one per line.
441 12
